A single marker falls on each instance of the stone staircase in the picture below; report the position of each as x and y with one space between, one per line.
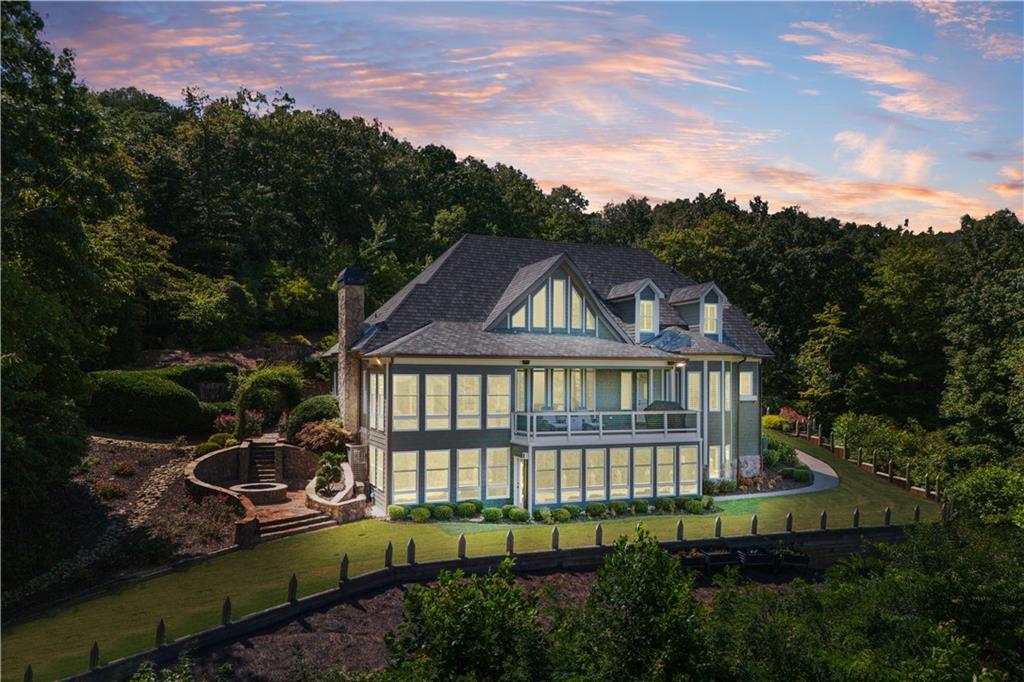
282 528
261 463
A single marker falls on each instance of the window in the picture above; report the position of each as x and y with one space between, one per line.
646 321
558 390
571 463
498 399
666 470
540 398
521 390
519 318
497 473
438 406
377 467
591 320
405 402
576 309
404 481
710 318
376 406
468 481
577 398
539 309
728 389
643 390
592 389
747 384
714 390
595 474
436 464
714 463
693 390
687 469
727 451
558 303
544 473
467 414
641 472
625 390
618 471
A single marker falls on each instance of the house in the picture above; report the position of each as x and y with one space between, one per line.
544 373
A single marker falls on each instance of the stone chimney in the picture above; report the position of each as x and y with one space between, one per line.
351 313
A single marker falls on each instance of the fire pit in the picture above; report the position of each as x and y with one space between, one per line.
263 493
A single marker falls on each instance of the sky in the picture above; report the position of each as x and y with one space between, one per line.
872 112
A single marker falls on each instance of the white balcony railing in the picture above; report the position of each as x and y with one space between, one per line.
540 425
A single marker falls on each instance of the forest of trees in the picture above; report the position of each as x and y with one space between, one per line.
130 222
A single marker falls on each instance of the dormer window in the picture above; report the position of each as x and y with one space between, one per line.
710 318
646 320
540 309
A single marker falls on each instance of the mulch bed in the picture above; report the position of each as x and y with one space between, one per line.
350 635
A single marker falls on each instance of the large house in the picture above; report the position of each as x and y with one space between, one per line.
545 373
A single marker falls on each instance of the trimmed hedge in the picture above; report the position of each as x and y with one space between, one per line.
443 512
618 507
506 510
596 510
397 512
561 515
518 515
190 376
639 506
774 422
205 448
477 504
693 506
574 511
664 504
466 510
802 475
145 402
420 515
492 515
317 408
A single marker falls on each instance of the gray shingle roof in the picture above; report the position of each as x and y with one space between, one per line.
468 281
521 283
689 293
739 332
626 289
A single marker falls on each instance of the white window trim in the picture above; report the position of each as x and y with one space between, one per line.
499 420
459 488
447 489
402 422
415 490
426 404
479 401
749 397
506 453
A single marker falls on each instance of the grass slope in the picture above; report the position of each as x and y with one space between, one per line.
124 621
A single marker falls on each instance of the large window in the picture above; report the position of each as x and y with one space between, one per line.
439 402
714 462
576 310
521 403
571 474
558 390
405 477
544 475
540 389
499 397
727 457
747 385
539 309
687 469
646 321
643 390
641 472
595 474
591 320
558 303
376 406
376 467
710 318
666 470
693 391
497 473
468 474
618 471
467 413
728 389
436 465
714 390
591 389
577 397
405 402
625 390
518 320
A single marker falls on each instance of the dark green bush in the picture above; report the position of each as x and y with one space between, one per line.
315 409
397 512
443 512
478 504
639 506
542 515
143 403
727 486
802 475
519 515
618 507
220 439
506 510
420 515
708 502
110 490
694 506
710 487
596 510
205 448
774 422
989 495
787 472
466 510
664 504
190 376
561 515
574 511
680 502
492 515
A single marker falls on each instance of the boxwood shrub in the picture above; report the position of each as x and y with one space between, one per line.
190 376
574 511
618 507
639 506
680 502
787 472
420 514
443 512
542 515
506 510
466 510
205 448
144 403
397 512
708 502
802 475
693 506
477 504
315 409
518 515
774 422
492 515
727 486
664 504
561 515
596 510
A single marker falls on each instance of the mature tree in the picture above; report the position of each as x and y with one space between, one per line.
822 361
626 223
567 219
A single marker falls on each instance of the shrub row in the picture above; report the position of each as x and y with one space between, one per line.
145 402
445 511
774 422
777 452
719 487
315 409
800 473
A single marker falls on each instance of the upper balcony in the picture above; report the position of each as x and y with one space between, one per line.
590 427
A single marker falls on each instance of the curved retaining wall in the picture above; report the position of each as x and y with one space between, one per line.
223 466
347 505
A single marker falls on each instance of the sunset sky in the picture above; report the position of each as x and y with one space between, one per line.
869 112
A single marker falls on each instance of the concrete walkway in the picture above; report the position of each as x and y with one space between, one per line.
825 478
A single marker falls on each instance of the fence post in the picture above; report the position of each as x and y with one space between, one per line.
888 516
832 442
906 475
161 633
789 522
888 470
874 461
343 569
927 486
410 552
937 479
225 612
462 545
679 530
856 517
510 543
860 456
917 513
388 552
824 519
28 674
293 589
598 534
753 524
554 538
94 656
718 526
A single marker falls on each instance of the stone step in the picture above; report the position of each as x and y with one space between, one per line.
311 515
278 534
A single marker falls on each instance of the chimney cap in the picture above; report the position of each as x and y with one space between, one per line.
352 275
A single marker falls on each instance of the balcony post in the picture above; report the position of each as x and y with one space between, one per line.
664 424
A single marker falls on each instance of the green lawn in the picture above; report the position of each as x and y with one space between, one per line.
57 644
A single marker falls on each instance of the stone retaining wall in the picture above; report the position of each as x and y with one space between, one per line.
347 505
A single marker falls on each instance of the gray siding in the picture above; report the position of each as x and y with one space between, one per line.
750 416
690 314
